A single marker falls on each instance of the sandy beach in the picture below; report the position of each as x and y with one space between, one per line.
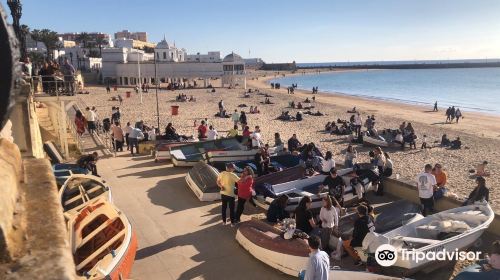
480 133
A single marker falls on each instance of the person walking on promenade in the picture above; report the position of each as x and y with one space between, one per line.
133 139
227 181
318 265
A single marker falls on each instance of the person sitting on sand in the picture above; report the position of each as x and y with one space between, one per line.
277 140
481 169
293 143
246 95
202 130
192 99
233 132
298 116
251 110
299 106
328 126
479 193
456 144
246 132
307 100
276 211
445 142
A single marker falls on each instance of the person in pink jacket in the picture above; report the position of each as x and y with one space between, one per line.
245 190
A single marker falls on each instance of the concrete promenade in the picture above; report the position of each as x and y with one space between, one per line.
179 236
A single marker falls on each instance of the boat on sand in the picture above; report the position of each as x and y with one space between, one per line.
102 242
450 230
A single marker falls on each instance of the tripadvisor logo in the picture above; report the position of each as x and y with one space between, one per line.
387 255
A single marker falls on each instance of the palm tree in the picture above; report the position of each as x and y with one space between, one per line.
83 38
100 42
50 39
36 35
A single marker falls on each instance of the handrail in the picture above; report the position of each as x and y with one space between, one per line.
54 84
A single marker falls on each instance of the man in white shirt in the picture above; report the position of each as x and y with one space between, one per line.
134 136
212 134
318 265
256 138
426 182
91 118
127 131
357 123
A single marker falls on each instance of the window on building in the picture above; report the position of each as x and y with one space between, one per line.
164 55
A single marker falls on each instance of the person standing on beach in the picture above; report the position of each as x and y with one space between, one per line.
127 131
350 157
458 114
243 120
227 181
133 139
235 117
435 107
221 108
202 130
91 118
357 124
452 113
448 114
426 182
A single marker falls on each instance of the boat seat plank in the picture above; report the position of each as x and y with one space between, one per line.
98 251
75 198
96 231
94 189
416 239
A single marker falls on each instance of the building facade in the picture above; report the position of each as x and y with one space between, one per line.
132 44
130 67
209 57
73 36
125 34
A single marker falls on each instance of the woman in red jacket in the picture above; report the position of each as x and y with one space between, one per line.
245 190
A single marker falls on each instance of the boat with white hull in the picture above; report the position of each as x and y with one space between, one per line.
80 190
450 230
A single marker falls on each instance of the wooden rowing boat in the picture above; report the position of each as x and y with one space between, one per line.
102 241
79 190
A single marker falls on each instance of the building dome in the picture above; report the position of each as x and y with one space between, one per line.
163 44
232 57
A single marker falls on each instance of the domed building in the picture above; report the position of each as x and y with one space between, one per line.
169 53
234 74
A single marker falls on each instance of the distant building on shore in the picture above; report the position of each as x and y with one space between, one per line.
125 34
133 44
254 63
129 66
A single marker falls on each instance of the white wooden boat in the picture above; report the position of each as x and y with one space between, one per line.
297 189
202 178
238 155
102 241
80 190
162 150
264 242
376 141
450 230
190 154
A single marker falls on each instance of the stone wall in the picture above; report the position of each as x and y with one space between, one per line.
33 235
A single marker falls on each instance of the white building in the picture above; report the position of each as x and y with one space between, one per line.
166 52
209 57
124 66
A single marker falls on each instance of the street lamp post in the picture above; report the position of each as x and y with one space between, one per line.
156 89
16 10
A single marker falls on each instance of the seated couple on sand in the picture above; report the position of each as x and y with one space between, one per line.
254 110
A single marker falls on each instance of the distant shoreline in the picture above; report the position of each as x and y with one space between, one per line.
407 66
317 71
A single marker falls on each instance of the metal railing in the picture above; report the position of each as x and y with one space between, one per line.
54 85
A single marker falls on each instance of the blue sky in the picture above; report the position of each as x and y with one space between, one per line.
279 30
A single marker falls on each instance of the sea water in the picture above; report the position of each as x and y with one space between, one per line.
470 89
